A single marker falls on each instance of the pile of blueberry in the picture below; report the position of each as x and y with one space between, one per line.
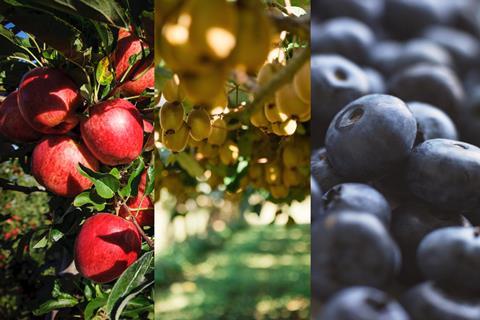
396 159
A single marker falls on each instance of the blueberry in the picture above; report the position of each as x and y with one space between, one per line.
418 51
434 84
428 302
351 248
404 18
463 47
368 12
362 303
336 82
446 173
357 197
411 222
322 170
344 36
317 201
370 137
469 120
376 82
383 55
432 122
451 257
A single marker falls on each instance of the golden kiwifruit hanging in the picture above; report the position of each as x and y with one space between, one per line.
219 132
213 27
173 91
253 37
291 177
291 156
171 117
198 121
266 73
255 171
204 88
177 141
219 104
278 191
273 113
289 103
273 173
286 128
229 152
209 151
258 118
175 44
301 83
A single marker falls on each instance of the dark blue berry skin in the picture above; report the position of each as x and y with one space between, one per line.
376 82
411 222
351 248
432 122
317 201
370 137
420 50
322 170
446 173
451 258
369 12
362 303
383 55
344 36
405 18
463 47
428 302
336 82
433 84
357 197
469 120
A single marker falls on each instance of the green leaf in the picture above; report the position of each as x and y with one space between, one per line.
131 188
105 184
233 183
61 300
103 74
124 302
42 243
92 306
116 173
187 162
54 304
47 27
55 235
131 279
90 197
150 180
100 10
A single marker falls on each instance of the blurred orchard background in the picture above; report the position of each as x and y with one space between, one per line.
227 244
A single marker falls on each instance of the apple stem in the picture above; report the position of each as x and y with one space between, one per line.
139 229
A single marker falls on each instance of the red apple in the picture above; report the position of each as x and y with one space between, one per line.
113 132
141 207
128 44
12 124
47 99
148 129
54 164
105 247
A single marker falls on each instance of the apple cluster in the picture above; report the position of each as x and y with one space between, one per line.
49 110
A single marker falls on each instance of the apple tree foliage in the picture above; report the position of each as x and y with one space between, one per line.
39 228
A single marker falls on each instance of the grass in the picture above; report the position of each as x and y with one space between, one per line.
260 272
